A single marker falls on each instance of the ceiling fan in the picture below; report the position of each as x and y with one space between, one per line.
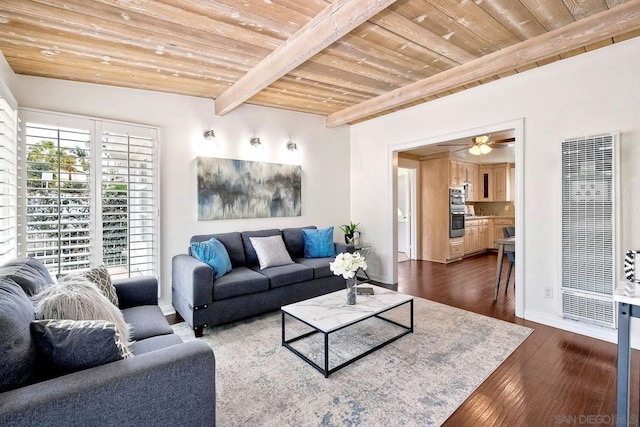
481 144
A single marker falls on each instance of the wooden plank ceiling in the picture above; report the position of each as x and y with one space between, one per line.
349 60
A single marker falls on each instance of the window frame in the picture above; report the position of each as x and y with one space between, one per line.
96 127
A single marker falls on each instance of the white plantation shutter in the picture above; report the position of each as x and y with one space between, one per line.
8 181
129 201
90 194
58 196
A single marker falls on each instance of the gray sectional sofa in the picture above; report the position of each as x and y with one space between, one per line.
247 290
166 382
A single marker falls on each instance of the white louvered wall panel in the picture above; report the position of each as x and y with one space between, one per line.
589 228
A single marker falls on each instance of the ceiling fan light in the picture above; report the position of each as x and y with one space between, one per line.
485 149
475 150
482 139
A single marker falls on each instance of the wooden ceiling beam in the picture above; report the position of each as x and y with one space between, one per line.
621 19
330 25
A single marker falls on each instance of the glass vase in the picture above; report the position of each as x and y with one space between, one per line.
351 291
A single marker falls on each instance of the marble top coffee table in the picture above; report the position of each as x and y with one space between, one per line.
328 314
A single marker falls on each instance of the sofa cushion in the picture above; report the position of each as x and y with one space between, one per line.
250 256
240 281
232 243
146 321
29 273
287 274
271 251
294 241
214 253
155 343
67 346
18 351
78 299
318 243
320 266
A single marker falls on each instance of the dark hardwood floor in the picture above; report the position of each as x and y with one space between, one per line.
555 378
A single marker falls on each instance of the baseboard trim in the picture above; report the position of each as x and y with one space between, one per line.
167 309
593 331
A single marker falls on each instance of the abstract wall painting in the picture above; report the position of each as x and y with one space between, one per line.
233 189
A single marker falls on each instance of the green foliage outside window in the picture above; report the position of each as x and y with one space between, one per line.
59 207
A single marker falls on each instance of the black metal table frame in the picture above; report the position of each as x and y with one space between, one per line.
326 371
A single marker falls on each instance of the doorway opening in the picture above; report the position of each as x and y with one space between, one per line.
407 236
488 207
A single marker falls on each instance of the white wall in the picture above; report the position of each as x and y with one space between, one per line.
323 153
7 82
589 94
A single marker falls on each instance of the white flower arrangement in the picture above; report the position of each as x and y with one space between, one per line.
346 264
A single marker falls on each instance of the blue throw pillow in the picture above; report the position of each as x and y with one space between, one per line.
318 243
214 253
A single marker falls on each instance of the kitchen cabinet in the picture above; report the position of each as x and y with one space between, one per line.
500 181
471 177
471 236
490 235
434 238
485 176
456 173
438 172
500 184
494 182
461 173
512 183
456 248
476 235
483 234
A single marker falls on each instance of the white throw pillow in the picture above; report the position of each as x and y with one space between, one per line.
271 251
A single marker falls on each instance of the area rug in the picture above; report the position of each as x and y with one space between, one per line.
418 380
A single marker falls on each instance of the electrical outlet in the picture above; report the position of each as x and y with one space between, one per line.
548 292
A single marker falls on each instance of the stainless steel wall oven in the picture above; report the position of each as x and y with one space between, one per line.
456 212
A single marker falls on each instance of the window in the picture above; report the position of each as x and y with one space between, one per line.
91 194
129 211
58 196
8 181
